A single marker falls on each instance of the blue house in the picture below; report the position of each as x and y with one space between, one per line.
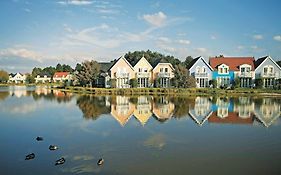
226 69
201 71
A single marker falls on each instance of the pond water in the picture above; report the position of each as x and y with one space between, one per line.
138 135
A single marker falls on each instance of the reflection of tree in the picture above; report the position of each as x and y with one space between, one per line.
92 106
182 105
4 95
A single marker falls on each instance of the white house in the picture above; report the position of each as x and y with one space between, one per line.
17 78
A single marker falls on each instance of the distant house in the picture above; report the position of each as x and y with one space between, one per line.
43 78
121 72
163 73
62 76
17 78
143 71
201 71
103 80
226 69
268 71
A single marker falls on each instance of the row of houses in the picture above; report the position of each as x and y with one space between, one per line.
41 78
224 70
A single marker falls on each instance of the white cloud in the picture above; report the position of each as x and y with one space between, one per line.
75 2
277 37
213 37
258 37
201 50
157 19
186 42
254 47
240 47
22 53
27 10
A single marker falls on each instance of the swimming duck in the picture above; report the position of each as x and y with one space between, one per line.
60 161
100 161
39 138
30 156
53 147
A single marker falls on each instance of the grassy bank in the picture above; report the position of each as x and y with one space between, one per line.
170 91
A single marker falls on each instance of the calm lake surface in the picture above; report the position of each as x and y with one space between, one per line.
138 135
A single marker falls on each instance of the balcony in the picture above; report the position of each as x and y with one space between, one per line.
143 74
268 75
200 74
164 74
122 75
245 74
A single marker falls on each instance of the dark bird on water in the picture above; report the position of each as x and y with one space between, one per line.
39 138
60 161
53 147
30 156
100 162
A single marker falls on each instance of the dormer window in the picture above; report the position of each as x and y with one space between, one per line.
223 69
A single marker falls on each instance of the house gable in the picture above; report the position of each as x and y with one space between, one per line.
261 62
143 63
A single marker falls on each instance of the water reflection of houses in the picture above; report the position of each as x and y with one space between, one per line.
267 111
233 113
143 109
122 109
163 109
202 110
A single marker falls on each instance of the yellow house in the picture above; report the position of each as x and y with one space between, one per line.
122 71
122 110
143 71
162 74
143 109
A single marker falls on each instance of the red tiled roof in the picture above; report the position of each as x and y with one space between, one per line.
61 74
232 62
231 118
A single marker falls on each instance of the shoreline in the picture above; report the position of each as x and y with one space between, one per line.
158 91
170 91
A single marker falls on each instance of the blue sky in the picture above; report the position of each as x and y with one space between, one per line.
42 33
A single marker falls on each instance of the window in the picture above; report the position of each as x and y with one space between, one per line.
145 70
197 69
166 69
270 69
265 70
203 69
139 69
225 70
161 69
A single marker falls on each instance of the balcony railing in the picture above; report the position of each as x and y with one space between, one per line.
142 74
205 74
269 75
164 75
245 74
122 75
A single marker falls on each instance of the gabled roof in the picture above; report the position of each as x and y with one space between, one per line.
262 59
61 74
143 58
195 60
232 62
122 57
105 66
